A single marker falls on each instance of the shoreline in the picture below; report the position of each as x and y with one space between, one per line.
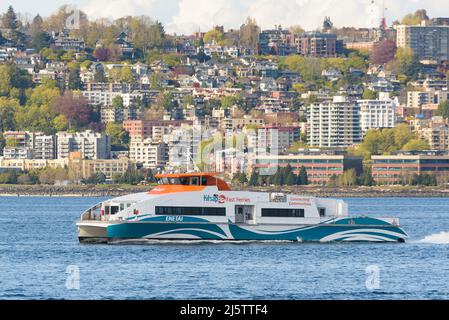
318 191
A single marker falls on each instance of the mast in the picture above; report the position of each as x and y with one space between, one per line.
383 23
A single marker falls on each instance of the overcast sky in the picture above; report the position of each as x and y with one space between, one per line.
186 16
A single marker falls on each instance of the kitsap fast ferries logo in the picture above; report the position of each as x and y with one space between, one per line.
214 198
221 199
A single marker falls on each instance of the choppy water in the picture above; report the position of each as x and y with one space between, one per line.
40 256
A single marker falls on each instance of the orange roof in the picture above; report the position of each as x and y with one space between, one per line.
185 175
211 179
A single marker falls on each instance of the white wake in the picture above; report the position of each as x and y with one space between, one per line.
437 238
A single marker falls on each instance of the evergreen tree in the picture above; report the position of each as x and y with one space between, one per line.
254 178
366 178
74 79
291 179
303 179
9 20
99 75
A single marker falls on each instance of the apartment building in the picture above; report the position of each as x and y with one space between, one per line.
149 154
29 145
317 44
91 145
334 124
435 131
377 114
276 41
232 124
427 42
109 167
144 128
278 138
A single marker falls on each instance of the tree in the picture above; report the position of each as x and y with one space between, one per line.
366 178
309 68
291 179
97 178
384 52
296 29
27 179
214 35
126 75
119 137
132 176
41 40
416 145
443 109
60 123
2 143
249 34
36 26
99 75
8 177
75 108
407 63
415 18
240 177
402 135
102 54
75 79
8 108
348 179
117 102
254 178
369 94
303 179
9 19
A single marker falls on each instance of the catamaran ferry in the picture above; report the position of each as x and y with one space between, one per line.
201 206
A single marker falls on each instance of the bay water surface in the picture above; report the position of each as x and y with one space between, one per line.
40 258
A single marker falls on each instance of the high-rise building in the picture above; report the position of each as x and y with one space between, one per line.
427 42
89 144
317 44
29 145
377 114
149 154
334 124
277 42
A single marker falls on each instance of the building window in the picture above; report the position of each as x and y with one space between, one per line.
283 213
191 211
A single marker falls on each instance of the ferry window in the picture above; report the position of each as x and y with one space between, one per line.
194 181
122 206
114 210
190 211
322 212
184 181
204 181
164 181
283 213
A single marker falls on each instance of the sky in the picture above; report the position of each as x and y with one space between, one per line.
187 16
